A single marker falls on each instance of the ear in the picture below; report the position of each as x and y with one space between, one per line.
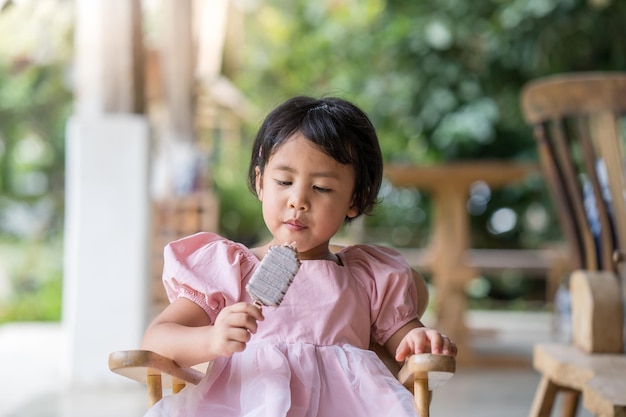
258 183
352 212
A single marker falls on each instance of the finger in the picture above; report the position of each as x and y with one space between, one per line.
255 312
446 347
229 341
414 342
402 351
241 321
421 344
238 335
237 307
436 342
449 347
248 309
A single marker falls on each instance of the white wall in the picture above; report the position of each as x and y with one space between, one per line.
106 243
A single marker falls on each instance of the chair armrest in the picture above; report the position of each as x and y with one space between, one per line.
424 372
139 364
436 369
420 374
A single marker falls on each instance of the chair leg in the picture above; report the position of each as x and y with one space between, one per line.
155 389
544 398
421 397
570 400
177 385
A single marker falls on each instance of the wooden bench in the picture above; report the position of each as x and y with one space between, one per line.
599 378
594 365
552 265
549 264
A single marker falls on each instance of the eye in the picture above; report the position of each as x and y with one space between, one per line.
282 183
321 189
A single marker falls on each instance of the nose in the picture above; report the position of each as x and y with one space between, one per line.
298 199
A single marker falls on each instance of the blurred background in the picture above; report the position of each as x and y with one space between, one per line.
440 81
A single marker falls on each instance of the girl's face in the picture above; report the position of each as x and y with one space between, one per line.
306 196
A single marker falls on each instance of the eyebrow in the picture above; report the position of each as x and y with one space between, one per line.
320 174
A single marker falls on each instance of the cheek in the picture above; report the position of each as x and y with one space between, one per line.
271 211
269 199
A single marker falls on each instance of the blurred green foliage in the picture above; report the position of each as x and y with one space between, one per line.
240 211
33 291
441 82
34 107
35 102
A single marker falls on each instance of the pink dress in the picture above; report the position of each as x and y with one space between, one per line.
310 355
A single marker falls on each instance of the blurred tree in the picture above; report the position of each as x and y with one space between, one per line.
34 107
35 102
441 81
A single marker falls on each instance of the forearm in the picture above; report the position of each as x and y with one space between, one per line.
185 345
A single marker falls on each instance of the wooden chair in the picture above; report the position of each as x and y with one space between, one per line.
572 114
420 373
174 218
576 121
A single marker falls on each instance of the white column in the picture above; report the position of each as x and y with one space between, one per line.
106 242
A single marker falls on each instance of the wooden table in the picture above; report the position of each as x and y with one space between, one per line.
449 186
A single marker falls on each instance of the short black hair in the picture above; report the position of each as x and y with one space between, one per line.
336 127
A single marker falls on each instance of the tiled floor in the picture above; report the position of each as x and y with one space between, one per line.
29 384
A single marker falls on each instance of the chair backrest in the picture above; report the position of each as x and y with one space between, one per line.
576 124
577 121
174 218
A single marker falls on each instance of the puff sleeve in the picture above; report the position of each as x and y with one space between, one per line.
206 269
388 279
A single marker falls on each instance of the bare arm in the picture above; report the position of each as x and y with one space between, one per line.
184 332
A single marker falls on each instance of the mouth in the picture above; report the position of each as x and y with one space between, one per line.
294 225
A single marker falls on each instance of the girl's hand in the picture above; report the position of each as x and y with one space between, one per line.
424 340
233 328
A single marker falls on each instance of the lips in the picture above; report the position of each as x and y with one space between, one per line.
294 225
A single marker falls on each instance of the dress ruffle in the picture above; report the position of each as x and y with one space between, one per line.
293 380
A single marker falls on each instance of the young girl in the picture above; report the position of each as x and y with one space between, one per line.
315 165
